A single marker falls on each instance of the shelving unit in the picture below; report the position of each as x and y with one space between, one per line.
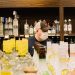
32 15
41 9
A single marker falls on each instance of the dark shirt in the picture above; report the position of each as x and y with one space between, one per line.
31 42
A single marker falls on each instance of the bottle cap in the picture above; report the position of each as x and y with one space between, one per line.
14 12
65 20
69 19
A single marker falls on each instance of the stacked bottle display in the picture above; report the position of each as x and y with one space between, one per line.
54 29
28 30
67 27
9 26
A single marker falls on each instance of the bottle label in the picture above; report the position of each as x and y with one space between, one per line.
10 26
53 31
26 26
26 29
10 32
57 28
65 27
31 31
6 26
15 32
15 22
6 32
49 31
15 27
69 27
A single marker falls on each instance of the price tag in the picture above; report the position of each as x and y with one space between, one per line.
69 27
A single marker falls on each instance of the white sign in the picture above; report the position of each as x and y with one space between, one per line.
63 49
72 48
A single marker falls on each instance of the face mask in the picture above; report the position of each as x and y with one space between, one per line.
44 36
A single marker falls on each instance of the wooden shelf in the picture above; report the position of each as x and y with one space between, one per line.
70 34
67 3
28 3
36 3
54 35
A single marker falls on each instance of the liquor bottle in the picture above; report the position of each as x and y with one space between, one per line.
15 25
1 26
10 26
69 26
6 24
65 27
57 26
31 30
53 29
26 29
50 30
6 29
34 26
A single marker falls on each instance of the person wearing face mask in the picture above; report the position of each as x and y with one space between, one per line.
40 37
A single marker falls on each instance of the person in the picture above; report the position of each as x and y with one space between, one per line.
40 38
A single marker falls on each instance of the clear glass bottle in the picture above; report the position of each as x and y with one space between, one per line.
65 27
6 29
49 31
10 22
26 29
15 26
53 29
31 30
69 26
10 26
57 26
1 26
34 26
6 24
